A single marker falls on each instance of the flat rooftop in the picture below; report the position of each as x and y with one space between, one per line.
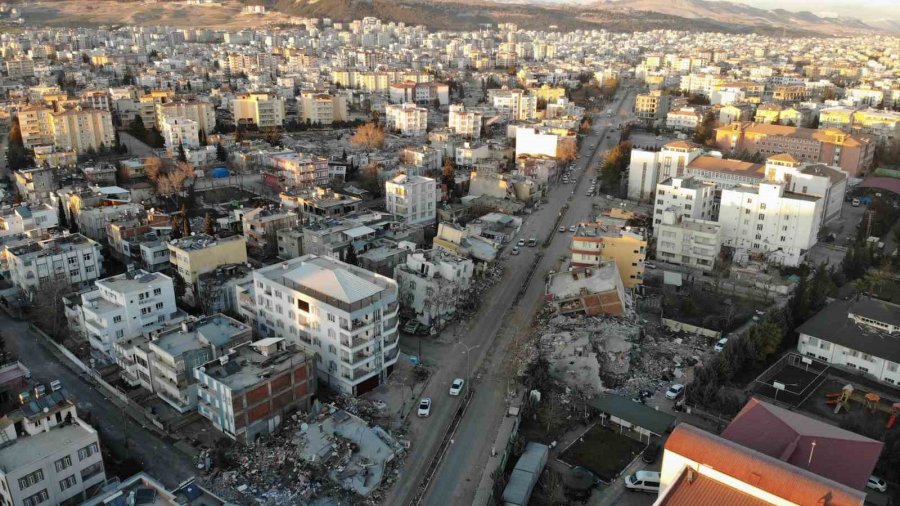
245 368
27 450
567 284
217 330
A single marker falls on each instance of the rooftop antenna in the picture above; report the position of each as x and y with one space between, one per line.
811 451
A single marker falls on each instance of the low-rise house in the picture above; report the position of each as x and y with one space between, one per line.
587 290
432 283
253 388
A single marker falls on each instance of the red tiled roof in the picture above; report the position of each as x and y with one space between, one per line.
824 449
714 163
767 473
697 489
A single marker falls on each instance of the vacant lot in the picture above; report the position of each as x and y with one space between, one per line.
104 12
605 452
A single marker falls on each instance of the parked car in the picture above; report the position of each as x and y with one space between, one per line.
675 391
425 407
720 344
532 241
651 453
562 228
876 483
514 251
642 396
854 202
648 265
457 386
643 481
520 243
573 228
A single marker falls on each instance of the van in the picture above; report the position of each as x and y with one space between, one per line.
643 481
55 385
532 241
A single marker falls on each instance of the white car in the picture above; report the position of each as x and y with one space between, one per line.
562 229
720 344
520 243
573 228
457 386
876 483
515 250
425 407
672 393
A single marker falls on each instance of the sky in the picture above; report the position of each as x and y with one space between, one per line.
860 9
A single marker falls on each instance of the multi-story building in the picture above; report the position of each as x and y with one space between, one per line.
201 113
593 290
320 204
179 132
300 170
465 123
35 126
687 241
852 153
425 158
177 351
594 243
54 157
75 129
432 283
251 390
647 168
19 68
684 119
49 455
319 108
860 334
200 253
550 142
651 108
25 218
346 315
261 226
686 197
261 109
768 221
514 104
35 184
419 93
412 198
72 260
409 119
126 306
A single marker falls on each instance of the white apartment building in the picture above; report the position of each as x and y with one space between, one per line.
260 109
71 259
432 283
346 315
126 306
824 181
684 119
419 93
465 123
49 455
515 104
413 199
532 141
35 184
685 196
25 218
180 132
769 221
409 119
647 168
862 334
688 241
319 108
300 170
470 154
202 113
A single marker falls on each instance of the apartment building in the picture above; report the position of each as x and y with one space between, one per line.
19 68
687 241
320 204
423 157
531 141
54 157
49 455
377 81
651 108
26 218
413 199
770 222
126 306
300 170
261 226
431 283
647 168
344 314
200 253
513 104
409 119
594 243
75 129
96 99
177 351
253 388
853 153
318 108
179 132
593 290
72 259
465 123
35 125
201 113
820 180
684 119
685 196
860 334
261 109
35 183
419 93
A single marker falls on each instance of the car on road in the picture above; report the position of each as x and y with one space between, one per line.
651 453
562 228
675 391
532 241
514 251
854 202
643 481
720 344
456 386
642 396
425 407
648 265
573 228
876 483
521 243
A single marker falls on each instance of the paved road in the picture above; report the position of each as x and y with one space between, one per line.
157 455
462 467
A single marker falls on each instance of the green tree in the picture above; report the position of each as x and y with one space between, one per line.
137 129
63 221
182 154
705 132
17 156
175 223
352 258
221 153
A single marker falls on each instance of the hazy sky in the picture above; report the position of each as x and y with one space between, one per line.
864 9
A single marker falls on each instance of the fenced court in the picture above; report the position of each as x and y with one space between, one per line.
791 379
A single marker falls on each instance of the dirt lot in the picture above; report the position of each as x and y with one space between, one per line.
80 13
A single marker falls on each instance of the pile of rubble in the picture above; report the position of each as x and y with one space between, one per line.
332 457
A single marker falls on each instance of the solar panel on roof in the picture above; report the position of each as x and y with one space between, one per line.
192 491
144 496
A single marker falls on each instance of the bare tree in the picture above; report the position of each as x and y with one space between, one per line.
47 304
567 150
153 168
369 136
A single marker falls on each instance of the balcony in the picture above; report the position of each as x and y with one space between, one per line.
391 308
354 342
356 358
357 374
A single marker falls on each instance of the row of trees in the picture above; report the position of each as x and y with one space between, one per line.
615 163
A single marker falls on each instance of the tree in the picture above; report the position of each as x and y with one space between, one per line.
63 221
182 154
153 168
566 151
202 137
5 355
369 136
137 129
351 259
185 222
221 153
209 225
614 164
175 223
705 132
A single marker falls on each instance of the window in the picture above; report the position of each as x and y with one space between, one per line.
331 317
87 451
87 256
159 305
91 471
63 463
762 216
120 333
67 483
892 367
73 273
39 498
146 310
117 319
31 479
157 291
302 305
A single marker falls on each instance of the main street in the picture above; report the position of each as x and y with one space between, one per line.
499 315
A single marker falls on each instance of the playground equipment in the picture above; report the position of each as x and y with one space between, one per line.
840 399
871 401
895 412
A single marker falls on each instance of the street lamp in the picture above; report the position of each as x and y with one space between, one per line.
467 353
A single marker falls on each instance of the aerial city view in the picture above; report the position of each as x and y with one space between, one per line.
449 252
